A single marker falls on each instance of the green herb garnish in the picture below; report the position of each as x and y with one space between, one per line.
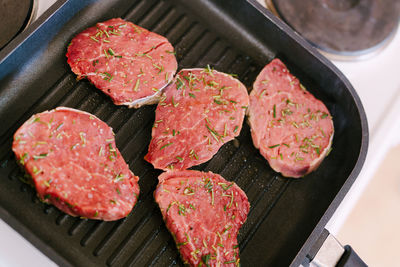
164 146
274 146
41 156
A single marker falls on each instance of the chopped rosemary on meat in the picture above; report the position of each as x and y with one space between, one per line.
173 102
274 111
107 76
36 170
105 53
181 210
286 112
136 85
22 160
184 243
208 184
230 204
160 68
188 191
59 126
164 146
41 156
225 186
274 146
179 83
83 138
119 177
225 130
206 259
171 167
74 146
192 153
208 70
218 102
115 32
94 39
111 52
47 183
213 132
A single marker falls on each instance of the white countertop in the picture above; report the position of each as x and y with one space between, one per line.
377 81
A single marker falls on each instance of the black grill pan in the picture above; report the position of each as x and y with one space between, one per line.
286 215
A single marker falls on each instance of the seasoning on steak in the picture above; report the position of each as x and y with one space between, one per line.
203 212
292 129
200 111
75 164
129 63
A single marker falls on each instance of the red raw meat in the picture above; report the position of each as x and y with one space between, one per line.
204 213
199 112
292 129
75 164
125 61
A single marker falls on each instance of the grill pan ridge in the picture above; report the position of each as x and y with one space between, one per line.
286 216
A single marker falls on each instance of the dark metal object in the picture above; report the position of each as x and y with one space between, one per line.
328 252
15 17
342 27
286 215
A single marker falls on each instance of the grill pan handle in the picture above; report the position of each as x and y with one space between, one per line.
328 252
350 259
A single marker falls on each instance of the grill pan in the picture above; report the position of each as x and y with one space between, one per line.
286 215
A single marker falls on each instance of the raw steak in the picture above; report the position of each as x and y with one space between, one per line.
75 165
200 111
125 61
203 212
292 129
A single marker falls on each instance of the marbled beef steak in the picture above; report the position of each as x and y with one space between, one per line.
125 61
75 164
204 213
199 112
292 129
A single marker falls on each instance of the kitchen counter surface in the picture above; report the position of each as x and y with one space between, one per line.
377 82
